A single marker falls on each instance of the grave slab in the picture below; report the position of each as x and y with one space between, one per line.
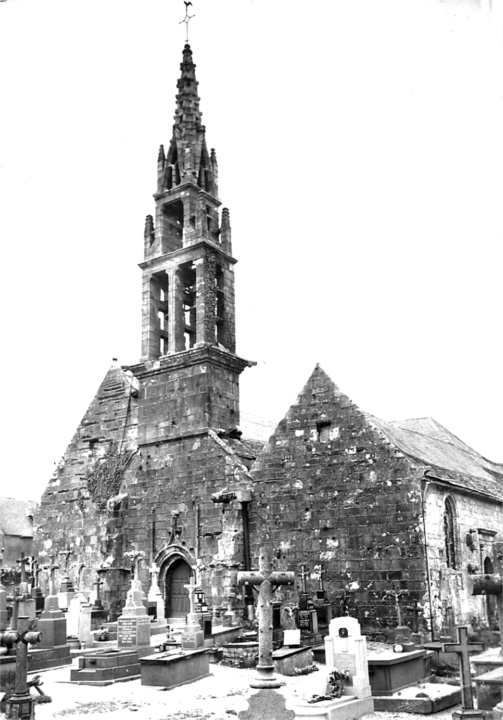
347 707
425 699
174 667
289 659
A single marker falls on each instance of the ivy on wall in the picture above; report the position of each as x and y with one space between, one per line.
105 477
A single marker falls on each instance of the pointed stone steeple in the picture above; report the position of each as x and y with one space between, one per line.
187 159
188 309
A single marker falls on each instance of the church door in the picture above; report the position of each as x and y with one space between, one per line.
177 597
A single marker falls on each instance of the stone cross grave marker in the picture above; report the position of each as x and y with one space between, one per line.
463 649
97 601
20 704
304 574
52 577
267 703
193 635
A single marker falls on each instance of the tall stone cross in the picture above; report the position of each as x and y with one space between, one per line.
66 554
191 589
23 585
266 579
135 556
492 584
463 649
52 571
303 575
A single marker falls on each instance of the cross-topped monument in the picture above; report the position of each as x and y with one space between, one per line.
463 649
267 702
265 579
135 556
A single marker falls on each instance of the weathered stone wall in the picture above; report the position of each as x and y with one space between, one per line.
73 513
331 490
476 523
170 487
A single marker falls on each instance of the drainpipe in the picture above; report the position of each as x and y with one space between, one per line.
423 497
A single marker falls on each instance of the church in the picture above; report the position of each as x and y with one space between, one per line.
159 463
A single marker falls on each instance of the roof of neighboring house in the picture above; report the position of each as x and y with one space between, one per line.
14 517
446 457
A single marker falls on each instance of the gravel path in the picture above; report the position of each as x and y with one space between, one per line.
220 696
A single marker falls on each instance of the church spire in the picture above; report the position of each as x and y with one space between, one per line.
188 159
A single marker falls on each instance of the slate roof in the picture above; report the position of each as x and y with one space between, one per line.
14 517
444 456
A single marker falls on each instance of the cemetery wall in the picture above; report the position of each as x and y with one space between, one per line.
476 523
330 489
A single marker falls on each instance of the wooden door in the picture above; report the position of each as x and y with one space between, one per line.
177 597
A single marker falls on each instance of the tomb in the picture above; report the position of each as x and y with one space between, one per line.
391 671
174 667
104 667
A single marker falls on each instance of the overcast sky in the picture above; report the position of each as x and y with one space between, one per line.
360 153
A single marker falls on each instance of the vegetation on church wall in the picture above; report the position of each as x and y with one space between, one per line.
105 477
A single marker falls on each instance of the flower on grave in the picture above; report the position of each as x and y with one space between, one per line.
101 635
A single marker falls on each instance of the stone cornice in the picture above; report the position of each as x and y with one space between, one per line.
189 358
161 259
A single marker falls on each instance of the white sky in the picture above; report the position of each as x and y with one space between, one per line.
361 155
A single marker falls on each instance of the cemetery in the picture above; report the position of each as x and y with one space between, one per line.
353 677
337 567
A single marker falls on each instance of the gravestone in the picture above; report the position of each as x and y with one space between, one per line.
346 658
402 632
24 604
155 595
79 620
192 635
346 649
463 649
133 626
52 650
66 588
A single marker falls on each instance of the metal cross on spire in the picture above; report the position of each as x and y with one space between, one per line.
186 19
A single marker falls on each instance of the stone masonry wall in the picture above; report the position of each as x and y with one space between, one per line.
476 523
331 490
170 486
74 512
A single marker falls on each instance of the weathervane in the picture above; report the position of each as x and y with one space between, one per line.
187 18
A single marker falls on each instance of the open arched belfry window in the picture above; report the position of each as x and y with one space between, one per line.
450 532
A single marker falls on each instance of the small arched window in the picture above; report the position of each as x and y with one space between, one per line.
450 533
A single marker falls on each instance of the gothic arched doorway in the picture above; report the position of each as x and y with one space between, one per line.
176 596
491 605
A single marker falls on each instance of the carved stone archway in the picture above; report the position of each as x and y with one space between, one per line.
169 556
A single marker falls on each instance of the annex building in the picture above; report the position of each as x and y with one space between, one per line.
159 464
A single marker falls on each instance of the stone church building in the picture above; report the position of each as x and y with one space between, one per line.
159 464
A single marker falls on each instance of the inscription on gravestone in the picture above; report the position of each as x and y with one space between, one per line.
126 631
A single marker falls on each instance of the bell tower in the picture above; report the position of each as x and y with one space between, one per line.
188 310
